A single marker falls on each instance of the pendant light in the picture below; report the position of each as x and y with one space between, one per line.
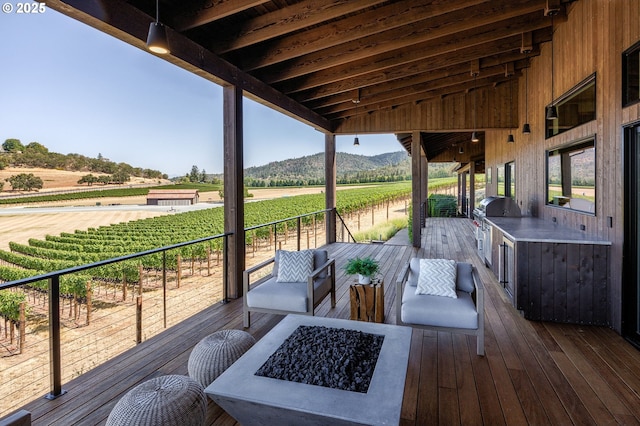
356 141
526 129
552 111
461 150
474 135
157 37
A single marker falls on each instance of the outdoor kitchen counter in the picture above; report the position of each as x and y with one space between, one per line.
531 229
550 272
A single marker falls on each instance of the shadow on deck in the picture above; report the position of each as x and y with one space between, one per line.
533 373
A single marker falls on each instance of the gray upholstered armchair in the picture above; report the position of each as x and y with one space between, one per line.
308 278
462 314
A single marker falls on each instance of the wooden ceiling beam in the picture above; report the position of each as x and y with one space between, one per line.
208 11
127 23
332 67
415 73
287 20
395 25
414 79
416 94
426 87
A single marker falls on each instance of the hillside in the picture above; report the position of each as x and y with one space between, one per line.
351 168
35 155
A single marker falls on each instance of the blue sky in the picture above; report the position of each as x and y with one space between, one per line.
75 89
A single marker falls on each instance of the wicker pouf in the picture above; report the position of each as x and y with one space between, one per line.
216 352
162 401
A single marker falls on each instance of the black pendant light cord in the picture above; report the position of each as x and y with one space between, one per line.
526 91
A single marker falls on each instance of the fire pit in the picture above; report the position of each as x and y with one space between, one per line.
258 400
333 357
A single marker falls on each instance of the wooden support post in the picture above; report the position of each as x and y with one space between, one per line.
416 179
330 187
233 189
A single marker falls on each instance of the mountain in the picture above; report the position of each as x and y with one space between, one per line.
351 168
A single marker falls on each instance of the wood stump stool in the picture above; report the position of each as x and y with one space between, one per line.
216 352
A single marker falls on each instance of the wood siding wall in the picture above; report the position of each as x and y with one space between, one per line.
454 112
591 41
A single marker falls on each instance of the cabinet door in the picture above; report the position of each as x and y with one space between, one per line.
496 242
507 275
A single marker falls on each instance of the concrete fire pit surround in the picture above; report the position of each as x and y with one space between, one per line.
255 400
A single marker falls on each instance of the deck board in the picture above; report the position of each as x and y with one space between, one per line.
533 372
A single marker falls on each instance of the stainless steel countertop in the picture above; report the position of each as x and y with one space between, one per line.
530 229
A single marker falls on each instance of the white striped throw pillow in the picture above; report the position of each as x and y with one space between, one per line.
437 278
294 266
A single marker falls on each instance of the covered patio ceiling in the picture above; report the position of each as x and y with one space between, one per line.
311 59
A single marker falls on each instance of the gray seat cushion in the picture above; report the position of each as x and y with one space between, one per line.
439 311
285 296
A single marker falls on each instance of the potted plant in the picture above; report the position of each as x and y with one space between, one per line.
365 267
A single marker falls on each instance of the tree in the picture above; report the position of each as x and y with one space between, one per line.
195 174
203 176
88 179
35 147
24 181
13 145
120 177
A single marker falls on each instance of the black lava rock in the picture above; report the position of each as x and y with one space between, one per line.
323 356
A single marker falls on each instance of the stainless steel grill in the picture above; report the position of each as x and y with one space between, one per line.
491 207
497 206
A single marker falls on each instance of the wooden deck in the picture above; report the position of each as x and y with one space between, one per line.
533 373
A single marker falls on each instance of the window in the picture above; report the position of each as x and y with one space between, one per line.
506 180
500 180
576 107
631 75
510 180
571 176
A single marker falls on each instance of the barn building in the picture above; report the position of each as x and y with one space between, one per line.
172 197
